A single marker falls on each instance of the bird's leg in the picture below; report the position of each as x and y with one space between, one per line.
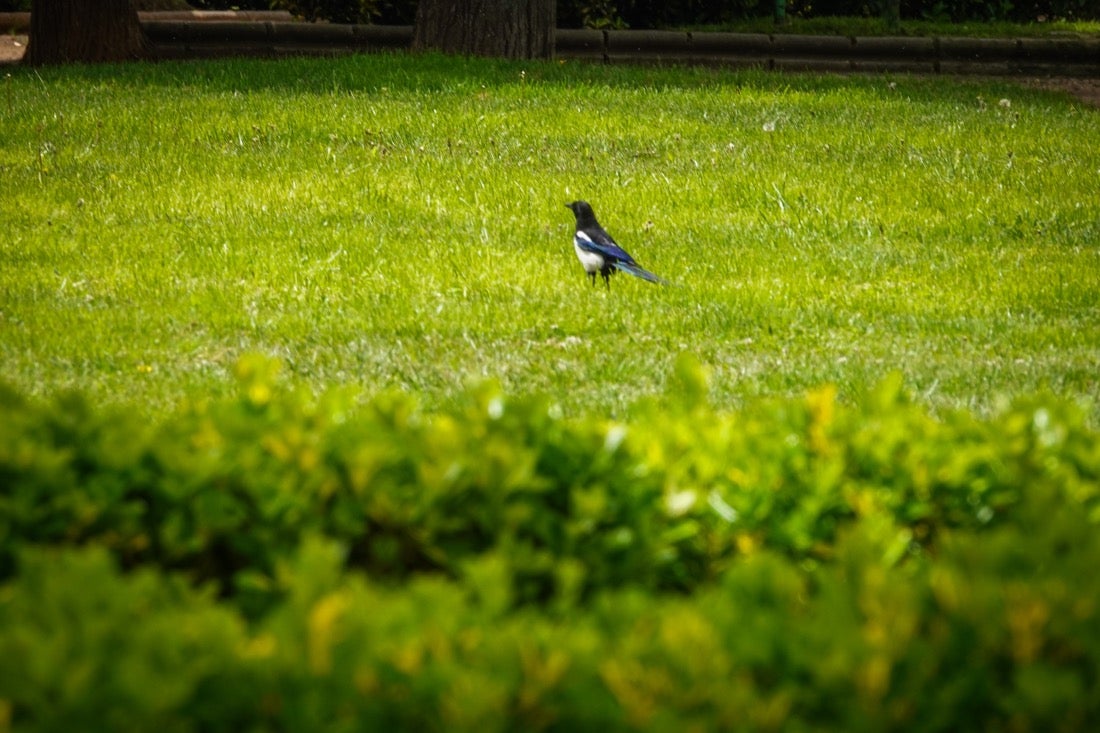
605 273
592 277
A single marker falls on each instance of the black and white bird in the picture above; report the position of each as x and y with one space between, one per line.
598 252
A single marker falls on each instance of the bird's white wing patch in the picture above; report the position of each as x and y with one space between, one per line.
592 261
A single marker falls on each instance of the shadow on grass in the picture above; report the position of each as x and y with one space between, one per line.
400 72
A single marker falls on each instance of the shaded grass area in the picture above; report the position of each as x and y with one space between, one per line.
398 222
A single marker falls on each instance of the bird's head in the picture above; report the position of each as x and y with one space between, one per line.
583 211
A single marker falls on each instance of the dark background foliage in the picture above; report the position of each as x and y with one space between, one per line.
641 14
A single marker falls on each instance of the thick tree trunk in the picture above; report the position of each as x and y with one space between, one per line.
68 31
515 29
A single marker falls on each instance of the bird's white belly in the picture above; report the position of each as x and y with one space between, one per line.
592 262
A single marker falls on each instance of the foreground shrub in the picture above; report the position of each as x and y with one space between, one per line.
997 633
288 562
223 492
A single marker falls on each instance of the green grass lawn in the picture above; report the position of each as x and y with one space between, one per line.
399 222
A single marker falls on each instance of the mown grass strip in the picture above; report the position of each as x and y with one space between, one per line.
393 221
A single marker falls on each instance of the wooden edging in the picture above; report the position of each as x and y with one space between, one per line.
1060 56
21 22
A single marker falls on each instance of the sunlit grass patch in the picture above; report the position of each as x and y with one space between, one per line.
398 222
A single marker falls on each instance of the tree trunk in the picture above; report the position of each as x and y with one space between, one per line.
780 12
891 13
68 31
514 29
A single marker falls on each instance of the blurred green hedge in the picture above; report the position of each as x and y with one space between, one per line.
285 561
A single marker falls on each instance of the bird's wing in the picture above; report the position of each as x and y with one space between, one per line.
600 242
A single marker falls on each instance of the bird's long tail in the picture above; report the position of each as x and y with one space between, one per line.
639 272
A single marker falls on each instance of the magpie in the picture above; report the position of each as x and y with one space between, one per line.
598 252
